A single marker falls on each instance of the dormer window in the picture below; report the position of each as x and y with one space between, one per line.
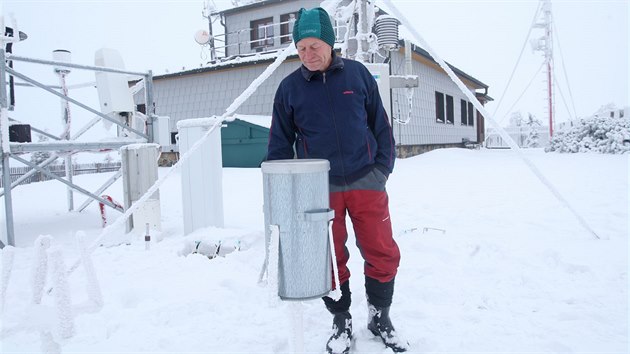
262 33
286 26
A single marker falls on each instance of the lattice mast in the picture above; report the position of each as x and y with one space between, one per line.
545 45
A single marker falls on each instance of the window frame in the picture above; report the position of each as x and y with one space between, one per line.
440 116
450 114
467 113
267 26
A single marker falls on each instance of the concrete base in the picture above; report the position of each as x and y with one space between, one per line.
404 151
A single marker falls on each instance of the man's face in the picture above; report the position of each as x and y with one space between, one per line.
314 53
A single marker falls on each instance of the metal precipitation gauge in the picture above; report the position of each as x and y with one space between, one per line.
300 248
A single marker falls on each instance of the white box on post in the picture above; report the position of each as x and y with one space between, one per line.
202 174
140 172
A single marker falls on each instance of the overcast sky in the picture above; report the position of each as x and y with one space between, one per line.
482 38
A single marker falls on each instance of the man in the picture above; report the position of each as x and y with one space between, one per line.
330 108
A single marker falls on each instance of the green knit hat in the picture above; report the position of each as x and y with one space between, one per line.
313 23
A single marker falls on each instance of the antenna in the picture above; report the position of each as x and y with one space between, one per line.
203 37
545 45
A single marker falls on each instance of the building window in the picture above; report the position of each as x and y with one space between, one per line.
286 26
439 107
262 33
464 112
450 115
467 113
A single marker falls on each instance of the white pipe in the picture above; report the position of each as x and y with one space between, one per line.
408 62
296 312
8 255
274 261
335 294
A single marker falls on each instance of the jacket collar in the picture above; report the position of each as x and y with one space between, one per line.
335 63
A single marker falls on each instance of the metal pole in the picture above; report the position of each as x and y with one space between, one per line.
549 55
69 172
76 66
28 174
213 54
66 118
53 157
5 153
549 88
549 59
362 43
106 185
150 109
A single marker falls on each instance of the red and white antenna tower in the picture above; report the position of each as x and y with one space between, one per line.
545 45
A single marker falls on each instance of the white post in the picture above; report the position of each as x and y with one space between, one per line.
8 255
272 266
95 296
202 174
140 171
63 300
296 312
64 56
40 267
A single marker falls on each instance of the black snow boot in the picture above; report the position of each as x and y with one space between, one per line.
341 339
381 326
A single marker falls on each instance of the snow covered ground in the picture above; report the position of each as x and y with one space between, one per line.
513 270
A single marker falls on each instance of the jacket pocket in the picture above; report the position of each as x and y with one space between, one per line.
379 175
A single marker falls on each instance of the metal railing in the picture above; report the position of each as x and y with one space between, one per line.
60 171
240 42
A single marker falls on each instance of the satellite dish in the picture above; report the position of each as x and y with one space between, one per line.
202 37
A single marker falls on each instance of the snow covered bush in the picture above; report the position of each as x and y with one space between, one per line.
598 134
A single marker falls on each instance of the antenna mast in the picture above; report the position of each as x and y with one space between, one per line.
208 10
545 45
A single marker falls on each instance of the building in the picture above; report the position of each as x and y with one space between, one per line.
432 115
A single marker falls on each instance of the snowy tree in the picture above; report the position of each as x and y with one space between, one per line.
533 136
517 122
599 133
516 119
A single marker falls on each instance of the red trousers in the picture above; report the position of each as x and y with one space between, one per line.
369 213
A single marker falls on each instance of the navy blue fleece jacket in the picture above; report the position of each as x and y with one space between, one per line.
335 115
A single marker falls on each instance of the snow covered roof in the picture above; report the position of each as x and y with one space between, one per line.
230 63
250 6
266 57
416 49
263 121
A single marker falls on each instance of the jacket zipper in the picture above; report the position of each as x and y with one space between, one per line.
343 170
